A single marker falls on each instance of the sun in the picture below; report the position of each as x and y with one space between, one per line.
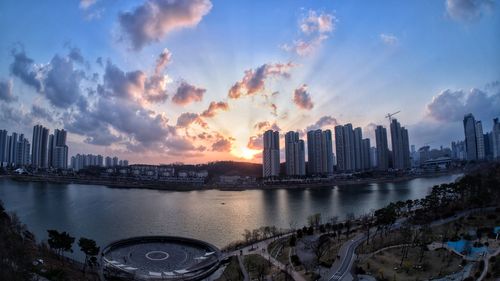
245 152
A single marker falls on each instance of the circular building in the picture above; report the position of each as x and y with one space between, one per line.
159 258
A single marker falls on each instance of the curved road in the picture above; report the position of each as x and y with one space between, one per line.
343 265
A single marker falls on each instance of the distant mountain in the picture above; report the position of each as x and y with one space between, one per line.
226 168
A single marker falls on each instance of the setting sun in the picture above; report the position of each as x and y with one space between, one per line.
245 153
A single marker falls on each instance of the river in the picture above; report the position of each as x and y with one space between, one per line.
107 214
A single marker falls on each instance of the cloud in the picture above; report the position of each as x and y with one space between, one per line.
41 113
180 145
302 98
24 68
187 93
256 142
325 121
75 54
222 145
468 10
113 118
62 82
314 27
214 107
154 19
389 39
14 116
254 79
133 85
6 94
59 80
186 119
163 60
450 105
266 125
85 4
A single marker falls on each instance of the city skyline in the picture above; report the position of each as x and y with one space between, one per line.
169 88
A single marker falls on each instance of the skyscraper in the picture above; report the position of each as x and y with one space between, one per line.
365 154
320 152
349 148
470 137
480 141
22 152
3 146
58 150
39 146
400 146
358 154
340 148
495 139
271 154
295 154
382 148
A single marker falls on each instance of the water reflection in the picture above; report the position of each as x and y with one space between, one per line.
107 214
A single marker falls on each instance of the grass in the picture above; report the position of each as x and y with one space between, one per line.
257 267
232 271
386 264
280 249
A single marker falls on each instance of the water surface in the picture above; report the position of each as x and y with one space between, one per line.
107 214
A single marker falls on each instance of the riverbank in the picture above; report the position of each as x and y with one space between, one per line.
187 186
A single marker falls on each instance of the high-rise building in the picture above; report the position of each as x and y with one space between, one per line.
470 137
488 145
320 152
373 157
347 147
100 162
365 154
382 148
458 150
22 151
39 147
340 148
115 161
3 146
295 155
58 150
271 154
495 139
400 146
480 141
108 161
358 154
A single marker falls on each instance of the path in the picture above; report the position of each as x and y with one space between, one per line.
342 266
243 269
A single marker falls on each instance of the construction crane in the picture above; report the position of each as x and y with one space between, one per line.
389 115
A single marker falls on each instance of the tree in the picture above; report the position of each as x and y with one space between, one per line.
314 220
60 241
90 249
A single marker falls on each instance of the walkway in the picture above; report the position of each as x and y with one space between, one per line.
243 269
341 269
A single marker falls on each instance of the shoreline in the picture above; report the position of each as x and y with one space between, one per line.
158 185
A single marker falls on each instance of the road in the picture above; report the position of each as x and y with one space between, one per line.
343 264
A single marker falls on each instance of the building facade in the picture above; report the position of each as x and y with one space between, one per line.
320 152
382 148
295 155
470 137
39 147
271 154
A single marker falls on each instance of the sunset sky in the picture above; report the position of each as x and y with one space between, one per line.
199 80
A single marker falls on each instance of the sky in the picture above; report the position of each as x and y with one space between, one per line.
193 81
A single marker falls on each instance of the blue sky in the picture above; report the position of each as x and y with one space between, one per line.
434 60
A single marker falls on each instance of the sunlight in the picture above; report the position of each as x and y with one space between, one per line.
245 152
